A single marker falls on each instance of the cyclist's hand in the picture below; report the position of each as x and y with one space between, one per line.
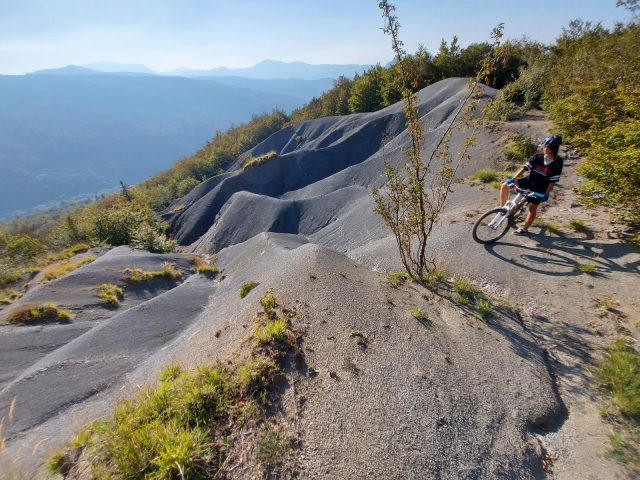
542 196
511 181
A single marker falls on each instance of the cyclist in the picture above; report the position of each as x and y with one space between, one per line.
544 172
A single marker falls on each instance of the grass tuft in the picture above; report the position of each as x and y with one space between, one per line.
202 267
37 314
618 374
395 279
272 333
434 277
487 175
555 229
270 448
9 296
246 287
418 314
578 225
484 307
588 268
466 292
57 270
110 293
252 161
168 272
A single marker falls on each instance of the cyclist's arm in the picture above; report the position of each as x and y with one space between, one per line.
550 187
520 172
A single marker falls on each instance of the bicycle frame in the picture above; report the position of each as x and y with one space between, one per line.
512 207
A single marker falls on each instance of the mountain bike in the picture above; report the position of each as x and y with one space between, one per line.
495 223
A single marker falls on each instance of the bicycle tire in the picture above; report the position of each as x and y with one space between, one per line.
504 228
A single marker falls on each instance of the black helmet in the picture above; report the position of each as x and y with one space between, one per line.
553 141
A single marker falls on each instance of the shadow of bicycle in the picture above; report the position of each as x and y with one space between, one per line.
564 255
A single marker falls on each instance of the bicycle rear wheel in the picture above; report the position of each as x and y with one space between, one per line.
491 226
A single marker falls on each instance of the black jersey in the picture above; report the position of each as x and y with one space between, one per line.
540 174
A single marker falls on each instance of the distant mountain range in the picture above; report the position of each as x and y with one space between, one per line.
267 69
65 136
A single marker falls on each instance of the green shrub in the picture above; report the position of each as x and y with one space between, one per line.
519 148
148 237
40 313
618 374
596 103
246 287
23 247
116 225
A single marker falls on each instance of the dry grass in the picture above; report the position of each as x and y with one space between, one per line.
202 267
168 272
9 296
60 269
110 293
253 161
37 314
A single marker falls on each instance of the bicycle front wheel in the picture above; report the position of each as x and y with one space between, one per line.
491 226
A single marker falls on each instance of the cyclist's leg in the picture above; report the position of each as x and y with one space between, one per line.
531 215
504 194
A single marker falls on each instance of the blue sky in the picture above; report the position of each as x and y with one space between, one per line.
168 34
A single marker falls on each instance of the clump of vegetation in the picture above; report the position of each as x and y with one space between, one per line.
606 304
395 279
40 313
434 277
168 272
555 229
9 296
58 270
418 314
588 268
273 332
270 447
487 175
484 307
619 375
253 161
110 293
203 268
466 292
246 287
578 225
148 237
187 424
519 148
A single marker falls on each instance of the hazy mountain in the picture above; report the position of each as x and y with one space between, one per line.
267 69
66 135
110 67
277 69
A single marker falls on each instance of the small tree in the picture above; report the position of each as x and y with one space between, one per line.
415 193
